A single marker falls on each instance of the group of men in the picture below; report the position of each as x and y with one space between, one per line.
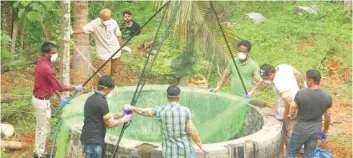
305 106
301 109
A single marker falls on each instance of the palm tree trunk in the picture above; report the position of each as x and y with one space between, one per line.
65 42
23 33
81 71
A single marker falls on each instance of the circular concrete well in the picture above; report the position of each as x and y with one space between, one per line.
228 126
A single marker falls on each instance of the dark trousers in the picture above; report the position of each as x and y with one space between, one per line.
297 140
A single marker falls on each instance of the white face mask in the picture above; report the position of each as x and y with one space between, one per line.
267 81
107 22
242 56
109 95
54 57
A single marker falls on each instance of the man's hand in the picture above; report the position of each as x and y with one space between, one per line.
213 90
118 116
127 49
204 151
323 136
248 96
126 109
127 118
79 88
62 100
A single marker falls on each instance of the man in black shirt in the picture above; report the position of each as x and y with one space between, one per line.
129 28
312 103
97 118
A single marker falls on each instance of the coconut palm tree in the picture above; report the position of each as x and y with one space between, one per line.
80 70
208 36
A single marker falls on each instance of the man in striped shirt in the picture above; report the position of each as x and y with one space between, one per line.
176 126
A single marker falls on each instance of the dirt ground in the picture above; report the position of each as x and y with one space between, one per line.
339 136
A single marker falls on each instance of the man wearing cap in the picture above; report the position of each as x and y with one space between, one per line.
248 70
285 80
176 125
45 85
98 118
312 103
108 40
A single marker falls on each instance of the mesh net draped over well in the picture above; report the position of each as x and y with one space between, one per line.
218 117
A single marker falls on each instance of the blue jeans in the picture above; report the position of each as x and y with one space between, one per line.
296 141
93 150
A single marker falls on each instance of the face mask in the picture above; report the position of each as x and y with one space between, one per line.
54 57
107 22
242 56
108 96
305 85
267 82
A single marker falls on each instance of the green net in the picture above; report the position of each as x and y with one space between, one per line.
219 117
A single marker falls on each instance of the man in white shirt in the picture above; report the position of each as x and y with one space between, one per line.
285 80
108 40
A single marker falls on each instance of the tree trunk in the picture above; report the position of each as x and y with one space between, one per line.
7 20
80 70
14 35
23 33
65 43
348 7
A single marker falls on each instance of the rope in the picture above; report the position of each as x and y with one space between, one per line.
230 51
146 70
84 57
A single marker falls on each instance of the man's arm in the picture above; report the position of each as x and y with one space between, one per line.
120 39
258 83
327 120
288 100
192 132
224 79
293 110
110 121
147 112
296 73
78 31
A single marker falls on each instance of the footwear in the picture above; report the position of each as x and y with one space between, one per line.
35 155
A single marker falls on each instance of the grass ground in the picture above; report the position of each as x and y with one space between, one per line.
301 41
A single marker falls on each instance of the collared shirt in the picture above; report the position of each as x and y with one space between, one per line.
45 82
172 121
94 130
105 37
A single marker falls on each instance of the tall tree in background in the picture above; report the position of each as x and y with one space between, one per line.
80 70
65 42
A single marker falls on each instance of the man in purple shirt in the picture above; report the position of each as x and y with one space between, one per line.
45 85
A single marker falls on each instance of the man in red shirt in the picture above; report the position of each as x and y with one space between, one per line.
45 85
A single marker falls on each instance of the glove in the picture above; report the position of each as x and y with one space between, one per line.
62 100
79 88
278 116
127 118
126 109
212 90
204 151
248 96
127 49
322 136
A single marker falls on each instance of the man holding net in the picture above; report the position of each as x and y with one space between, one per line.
98 118
248 70
45 85
285 83
176 125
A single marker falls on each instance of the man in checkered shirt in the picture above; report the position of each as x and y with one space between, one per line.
176 126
